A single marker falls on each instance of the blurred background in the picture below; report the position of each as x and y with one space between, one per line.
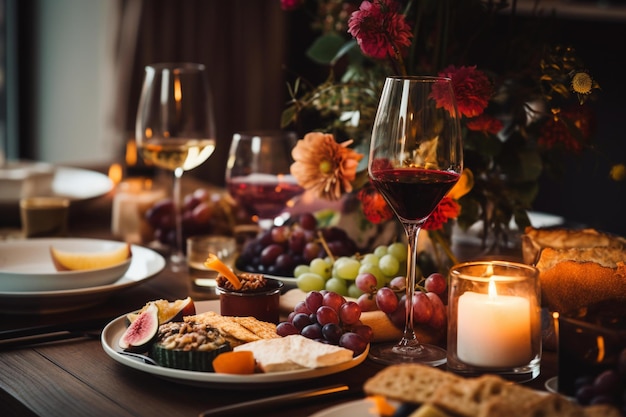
71 71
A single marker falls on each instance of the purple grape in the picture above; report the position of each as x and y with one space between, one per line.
285 329
332 332
301 320
312 331
354 342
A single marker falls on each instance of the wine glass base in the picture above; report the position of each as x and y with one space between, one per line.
393 353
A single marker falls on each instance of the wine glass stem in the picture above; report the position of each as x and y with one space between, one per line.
409 339
177 256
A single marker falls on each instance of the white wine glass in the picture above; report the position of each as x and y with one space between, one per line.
415 158
175 127
258 174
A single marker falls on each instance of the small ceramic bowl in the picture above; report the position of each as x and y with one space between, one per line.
261 304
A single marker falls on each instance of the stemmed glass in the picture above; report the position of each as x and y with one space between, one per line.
415 158
258 173
175 127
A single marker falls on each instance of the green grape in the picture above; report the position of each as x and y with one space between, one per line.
321 267
354 291
337 285
380 251
389 265
381 279
370 258
301 269
398 250
310 282
348 269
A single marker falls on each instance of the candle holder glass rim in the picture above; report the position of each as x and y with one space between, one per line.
499 267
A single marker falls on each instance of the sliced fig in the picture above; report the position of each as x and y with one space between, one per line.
140 334
168 311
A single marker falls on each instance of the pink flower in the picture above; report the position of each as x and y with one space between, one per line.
380 30
471 87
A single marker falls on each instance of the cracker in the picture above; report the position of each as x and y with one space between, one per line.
412 383
263 329
226 325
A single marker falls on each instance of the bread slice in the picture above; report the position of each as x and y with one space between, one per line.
413 383
468 398
602 410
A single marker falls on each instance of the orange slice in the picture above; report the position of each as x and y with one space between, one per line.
240 363
214 262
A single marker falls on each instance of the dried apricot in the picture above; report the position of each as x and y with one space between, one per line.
240 362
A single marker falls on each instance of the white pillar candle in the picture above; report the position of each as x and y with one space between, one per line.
494 330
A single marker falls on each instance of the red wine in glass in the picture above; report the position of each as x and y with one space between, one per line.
413 193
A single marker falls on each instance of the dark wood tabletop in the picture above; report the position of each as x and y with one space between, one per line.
75 377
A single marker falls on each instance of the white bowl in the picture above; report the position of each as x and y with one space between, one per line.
26 265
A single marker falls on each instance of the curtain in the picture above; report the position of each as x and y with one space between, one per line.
241 42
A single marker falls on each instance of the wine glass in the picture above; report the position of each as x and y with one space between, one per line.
415 158
175 127
258 173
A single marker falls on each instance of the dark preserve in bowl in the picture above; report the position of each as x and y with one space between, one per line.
258 297
591 341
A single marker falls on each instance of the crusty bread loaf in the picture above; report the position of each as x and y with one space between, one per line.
483 396
577 268
535 240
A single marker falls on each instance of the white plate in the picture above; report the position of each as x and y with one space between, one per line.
145 264
361 408
114 330
73 183
26 265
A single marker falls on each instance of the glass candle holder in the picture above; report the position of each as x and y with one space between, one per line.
494 314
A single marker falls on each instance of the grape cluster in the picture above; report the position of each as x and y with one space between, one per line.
202 213
428 307
608 387
339 275
280 249
328 317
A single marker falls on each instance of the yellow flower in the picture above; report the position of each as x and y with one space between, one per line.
324 166
582 83
618 172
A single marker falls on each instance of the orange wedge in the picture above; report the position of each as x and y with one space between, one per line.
240 362
214 262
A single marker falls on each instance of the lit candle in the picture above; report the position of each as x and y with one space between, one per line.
132 198
494 330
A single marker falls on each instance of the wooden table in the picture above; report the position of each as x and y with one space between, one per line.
75 377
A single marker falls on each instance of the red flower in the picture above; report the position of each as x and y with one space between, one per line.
374 206
471 87
446 210
558 129
484 123
380 30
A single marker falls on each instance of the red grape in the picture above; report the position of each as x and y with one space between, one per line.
270 253
386 300
354 342
422 308
364 331
366 282
326 314
285 329
308 221
333 300
398 283
436 283
332 332
301 308
438 319
349 312
313 300
367 302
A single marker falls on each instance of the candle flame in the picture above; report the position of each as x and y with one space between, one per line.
115 173
131 153
493 292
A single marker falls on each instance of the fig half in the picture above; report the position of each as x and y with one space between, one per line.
141 333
